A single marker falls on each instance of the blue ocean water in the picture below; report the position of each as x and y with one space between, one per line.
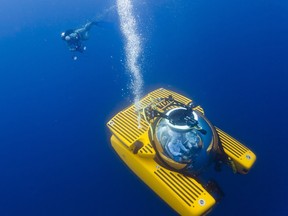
55 153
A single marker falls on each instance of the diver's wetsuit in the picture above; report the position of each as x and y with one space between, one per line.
74 37
73 41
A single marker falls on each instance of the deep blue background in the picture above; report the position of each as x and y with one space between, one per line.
55 154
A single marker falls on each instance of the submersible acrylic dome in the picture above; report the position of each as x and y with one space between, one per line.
182 146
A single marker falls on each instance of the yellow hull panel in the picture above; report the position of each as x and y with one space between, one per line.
242 157
182 193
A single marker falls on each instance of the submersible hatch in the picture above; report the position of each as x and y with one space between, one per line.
174 145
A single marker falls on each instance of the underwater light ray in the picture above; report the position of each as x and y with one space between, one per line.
132 48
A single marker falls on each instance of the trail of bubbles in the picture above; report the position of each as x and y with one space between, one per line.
132 48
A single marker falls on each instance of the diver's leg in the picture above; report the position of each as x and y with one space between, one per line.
89 25
84 31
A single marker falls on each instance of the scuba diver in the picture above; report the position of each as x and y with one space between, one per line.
75 37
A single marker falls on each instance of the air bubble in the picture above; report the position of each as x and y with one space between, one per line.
132 48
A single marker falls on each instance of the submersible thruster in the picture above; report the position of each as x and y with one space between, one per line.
171 145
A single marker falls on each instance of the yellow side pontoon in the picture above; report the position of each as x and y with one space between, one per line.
168 142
